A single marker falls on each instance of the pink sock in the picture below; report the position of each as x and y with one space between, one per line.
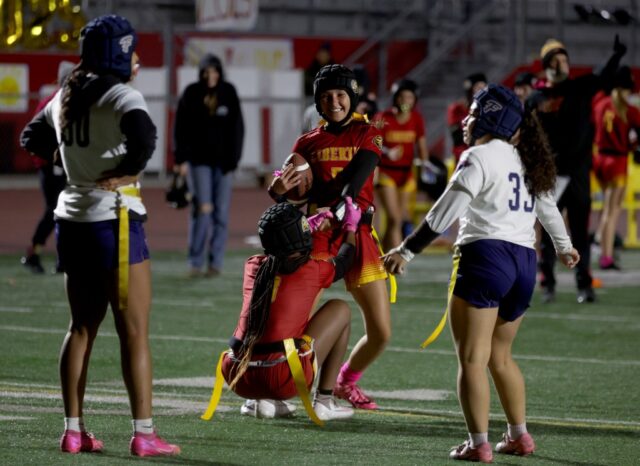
606 261
348 375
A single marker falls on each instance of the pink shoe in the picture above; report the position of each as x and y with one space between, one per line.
464 452
151 445
73 441
353 394
523 445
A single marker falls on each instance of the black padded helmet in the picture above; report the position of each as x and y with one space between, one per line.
403 85
336 77
283 230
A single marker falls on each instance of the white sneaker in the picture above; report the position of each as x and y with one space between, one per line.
267 409
327 409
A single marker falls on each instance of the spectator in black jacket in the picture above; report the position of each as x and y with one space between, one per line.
564 109
209 132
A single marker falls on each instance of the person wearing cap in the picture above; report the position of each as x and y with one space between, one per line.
524 84
458 110
104 137
255 367
208 140
615 120
564 107
52 182
343 153
501 186
403 131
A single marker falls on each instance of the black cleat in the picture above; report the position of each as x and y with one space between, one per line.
32 262
586 295
548 295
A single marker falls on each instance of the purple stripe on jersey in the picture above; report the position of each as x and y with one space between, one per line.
495 273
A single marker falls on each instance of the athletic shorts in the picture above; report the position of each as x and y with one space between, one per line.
494 273
273 382
401 179
610 170
86 247
367 266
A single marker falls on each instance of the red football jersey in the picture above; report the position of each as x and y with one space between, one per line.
396 134
292 299
328 154
612 132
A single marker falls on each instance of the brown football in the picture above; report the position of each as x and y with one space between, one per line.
299 194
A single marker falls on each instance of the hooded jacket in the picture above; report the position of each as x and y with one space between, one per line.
209 129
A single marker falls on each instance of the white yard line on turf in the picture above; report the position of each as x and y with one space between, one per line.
20 310
396 349
178 406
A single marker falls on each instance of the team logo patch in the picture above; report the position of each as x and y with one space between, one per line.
305 224
125 43
377 140
492 106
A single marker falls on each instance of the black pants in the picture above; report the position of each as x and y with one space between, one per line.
51 185
576 199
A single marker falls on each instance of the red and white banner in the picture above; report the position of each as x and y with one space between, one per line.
226 15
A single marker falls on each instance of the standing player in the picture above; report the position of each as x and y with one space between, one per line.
402 128
280 288
614 119
458 110
343 154
105 138
498 191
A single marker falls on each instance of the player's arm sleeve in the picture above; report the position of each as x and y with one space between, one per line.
357 171
343 260
39 137
140 141
552 221
450 206
464 186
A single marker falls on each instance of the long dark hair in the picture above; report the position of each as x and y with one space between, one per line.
69 105
536 156
259 310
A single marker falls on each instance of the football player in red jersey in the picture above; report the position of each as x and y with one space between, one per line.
279 291
402 128
458 111
614 118
343 153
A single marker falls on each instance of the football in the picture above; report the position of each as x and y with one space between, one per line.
299 194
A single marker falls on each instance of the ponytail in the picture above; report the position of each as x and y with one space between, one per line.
536 156
258 312
68 101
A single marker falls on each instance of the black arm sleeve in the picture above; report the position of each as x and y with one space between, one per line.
140 133
357 171
420 237
606 73
344 260
39 138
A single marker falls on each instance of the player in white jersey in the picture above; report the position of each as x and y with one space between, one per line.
102 132
497 191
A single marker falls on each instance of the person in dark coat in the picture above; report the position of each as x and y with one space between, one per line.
209 133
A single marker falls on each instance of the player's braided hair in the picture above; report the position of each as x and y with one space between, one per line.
69 107
536 155
259 310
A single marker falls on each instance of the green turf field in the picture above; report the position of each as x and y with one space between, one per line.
581 364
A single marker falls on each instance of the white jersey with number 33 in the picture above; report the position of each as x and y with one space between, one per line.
489 194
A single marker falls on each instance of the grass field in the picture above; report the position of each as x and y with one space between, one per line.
581 364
